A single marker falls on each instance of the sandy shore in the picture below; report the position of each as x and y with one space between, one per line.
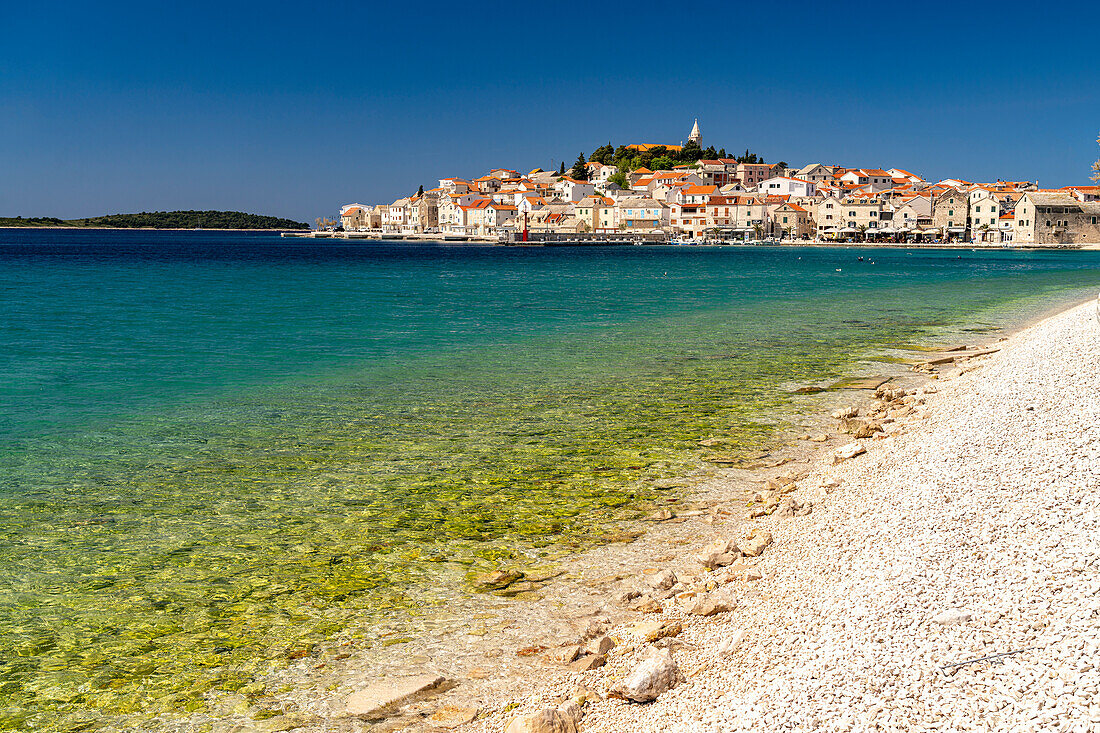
969 529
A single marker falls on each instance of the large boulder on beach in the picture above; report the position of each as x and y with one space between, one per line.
562 719
718 554
651 631
655 675
713 603
755 543
662 580
845 452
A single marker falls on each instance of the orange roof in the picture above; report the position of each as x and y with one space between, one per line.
698 190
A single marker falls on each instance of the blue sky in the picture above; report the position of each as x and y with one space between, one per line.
292 109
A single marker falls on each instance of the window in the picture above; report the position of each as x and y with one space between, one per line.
1048 222
978 209
950 212
1094 220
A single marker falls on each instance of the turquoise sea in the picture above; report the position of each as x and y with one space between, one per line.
223 451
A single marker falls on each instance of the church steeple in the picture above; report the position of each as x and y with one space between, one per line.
695 136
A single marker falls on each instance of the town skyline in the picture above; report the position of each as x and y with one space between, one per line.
655 192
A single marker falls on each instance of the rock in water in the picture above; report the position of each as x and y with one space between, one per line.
381 695
548 720
655 675
497 579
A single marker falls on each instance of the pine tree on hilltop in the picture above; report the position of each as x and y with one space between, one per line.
420 191
691 152
579 170
561 170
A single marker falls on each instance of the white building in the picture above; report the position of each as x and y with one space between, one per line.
786 186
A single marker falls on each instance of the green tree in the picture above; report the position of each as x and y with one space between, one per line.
420 191
663 163
710 153
619 179
604 154
722 152
561 170
579 171
691 152
622 156
862 232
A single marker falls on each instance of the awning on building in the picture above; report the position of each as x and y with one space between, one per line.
956 230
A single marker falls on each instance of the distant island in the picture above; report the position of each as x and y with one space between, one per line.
161 220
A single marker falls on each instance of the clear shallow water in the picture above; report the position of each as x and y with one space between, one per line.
221 451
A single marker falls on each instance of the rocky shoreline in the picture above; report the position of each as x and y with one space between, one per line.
947 576
756 603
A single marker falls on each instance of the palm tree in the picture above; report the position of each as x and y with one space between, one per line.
757 230
863 232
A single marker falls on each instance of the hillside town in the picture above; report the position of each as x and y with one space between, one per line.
730 199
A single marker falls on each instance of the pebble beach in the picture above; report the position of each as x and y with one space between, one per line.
966 529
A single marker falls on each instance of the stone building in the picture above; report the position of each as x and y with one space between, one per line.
951 213
1056 218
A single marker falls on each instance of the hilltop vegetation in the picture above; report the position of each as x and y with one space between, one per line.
163 220
656 158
